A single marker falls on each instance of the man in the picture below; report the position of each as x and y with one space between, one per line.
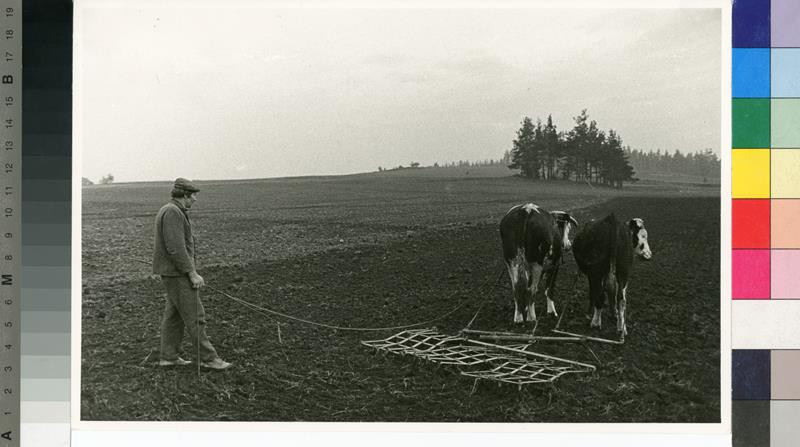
174 260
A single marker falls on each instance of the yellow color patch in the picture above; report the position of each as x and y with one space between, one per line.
750 173
786 173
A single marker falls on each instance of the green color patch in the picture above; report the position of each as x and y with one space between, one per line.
785 120
751 123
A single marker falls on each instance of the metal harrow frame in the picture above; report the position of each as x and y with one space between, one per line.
505 364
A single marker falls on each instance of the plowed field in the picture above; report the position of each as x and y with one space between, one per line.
369 251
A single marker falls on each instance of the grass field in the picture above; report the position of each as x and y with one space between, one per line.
382 250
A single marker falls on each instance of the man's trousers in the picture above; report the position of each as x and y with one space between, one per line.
183 309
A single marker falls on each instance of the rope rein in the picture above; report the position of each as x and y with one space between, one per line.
474 317
268 312
197 325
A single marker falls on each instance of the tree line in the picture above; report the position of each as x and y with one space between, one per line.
703 164
106 180
471 164
584 153
453 164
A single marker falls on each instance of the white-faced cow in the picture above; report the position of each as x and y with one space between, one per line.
604 250
533 242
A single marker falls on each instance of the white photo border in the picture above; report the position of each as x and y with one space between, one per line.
351 434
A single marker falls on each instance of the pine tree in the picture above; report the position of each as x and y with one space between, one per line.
575 147
593 152
523 151
552 147
538 151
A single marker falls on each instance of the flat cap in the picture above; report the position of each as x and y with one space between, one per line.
186 185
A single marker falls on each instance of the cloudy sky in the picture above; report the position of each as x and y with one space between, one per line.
210 93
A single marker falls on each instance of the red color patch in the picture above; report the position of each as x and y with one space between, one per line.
750 223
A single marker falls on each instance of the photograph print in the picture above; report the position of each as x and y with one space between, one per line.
353 214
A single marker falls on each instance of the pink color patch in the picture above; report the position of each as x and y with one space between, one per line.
750 274
785 274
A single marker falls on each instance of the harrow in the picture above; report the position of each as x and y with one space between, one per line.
511 364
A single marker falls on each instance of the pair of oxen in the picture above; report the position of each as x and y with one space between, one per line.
534 241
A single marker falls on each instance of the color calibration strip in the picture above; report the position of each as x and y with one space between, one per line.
46 227
766 222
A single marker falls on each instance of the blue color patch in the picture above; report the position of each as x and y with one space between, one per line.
751 374
751 72
786 72
751 24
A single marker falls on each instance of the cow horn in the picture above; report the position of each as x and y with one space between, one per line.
572 219
563 216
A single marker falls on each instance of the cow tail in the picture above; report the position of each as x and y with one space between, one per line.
524 259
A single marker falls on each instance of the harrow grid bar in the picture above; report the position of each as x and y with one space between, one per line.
511 364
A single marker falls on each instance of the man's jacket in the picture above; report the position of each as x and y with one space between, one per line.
174 245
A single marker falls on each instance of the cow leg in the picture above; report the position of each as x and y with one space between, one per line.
621 328
596 297
610 288
597 318
534 275
551 281
551 307
517 286
513 274
518 317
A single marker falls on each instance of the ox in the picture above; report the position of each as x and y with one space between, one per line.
533 243
604 250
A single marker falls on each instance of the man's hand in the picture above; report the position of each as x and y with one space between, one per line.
197 280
